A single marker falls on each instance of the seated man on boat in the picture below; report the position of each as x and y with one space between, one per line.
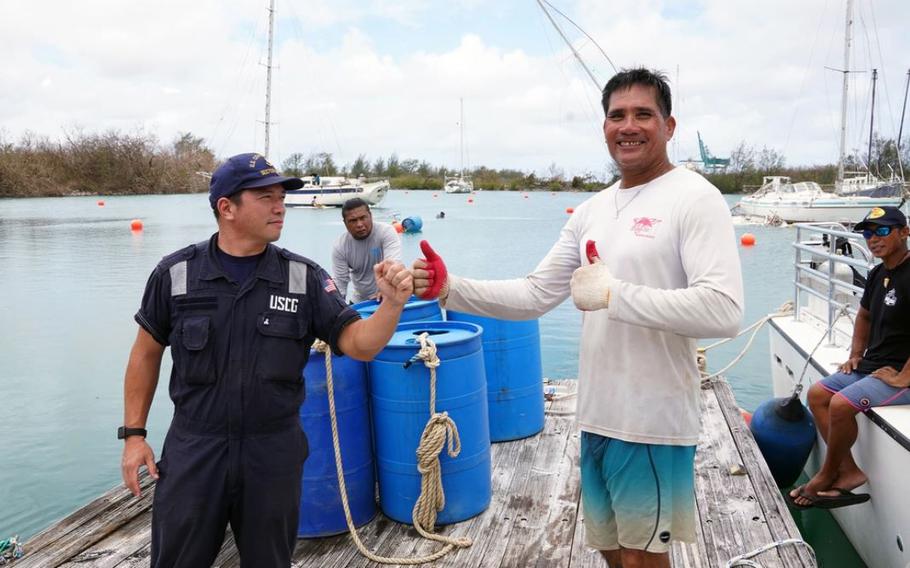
877 372
362 246
668 273
240 315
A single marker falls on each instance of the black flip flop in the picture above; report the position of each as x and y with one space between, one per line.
843 498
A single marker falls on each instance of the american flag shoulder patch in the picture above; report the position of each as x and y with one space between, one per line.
330 285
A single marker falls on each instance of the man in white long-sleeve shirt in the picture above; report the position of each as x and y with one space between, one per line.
667 274
360 248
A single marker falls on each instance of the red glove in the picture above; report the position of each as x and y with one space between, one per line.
436 269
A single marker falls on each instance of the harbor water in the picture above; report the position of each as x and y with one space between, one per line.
72 275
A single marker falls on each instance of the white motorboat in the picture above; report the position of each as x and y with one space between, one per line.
458 184
809 345
779 198
333 191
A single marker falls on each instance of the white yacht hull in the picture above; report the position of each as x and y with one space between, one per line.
835 209
335 196
459 187
880 528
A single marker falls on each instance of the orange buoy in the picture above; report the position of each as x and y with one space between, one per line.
136 225
747 416
570 210
100 203
747 240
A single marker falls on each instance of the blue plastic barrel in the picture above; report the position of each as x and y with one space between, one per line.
414 310
400 399
321 512
511 357
412 224
785 434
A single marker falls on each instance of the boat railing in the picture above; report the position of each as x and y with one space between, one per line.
829 262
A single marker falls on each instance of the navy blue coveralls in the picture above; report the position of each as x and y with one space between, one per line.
234 452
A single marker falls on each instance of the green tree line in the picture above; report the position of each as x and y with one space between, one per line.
748 165
116 163
110 163
412 173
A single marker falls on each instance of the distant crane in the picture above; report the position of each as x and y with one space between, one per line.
709 163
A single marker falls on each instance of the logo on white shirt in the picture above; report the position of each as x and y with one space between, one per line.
645 226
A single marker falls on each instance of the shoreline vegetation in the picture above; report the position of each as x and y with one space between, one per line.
114 163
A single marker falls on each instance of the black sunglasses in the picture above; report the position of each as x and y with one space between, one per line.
882 231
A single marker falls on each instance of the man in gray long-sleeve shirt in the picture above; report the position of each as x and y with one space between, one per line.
361 247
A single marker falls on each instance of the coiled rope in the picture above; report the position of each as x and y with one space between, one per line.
744 559
439 428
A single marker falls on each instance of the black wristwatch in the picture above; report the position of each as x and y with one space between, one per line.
123 432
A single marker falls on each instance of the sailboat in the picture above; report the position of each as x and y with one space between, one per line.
461 182
317 191
854 196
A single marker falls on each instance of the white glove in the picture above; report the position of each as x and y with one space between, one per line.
590 286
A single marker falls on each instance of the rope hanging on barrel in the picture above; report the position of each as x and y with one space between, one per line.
435 491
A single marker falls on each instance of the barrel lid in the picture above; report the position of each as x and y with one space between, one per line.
369 307
443 333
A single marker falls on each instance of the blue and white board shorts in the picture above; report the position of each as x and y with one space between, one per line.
636 496
865 391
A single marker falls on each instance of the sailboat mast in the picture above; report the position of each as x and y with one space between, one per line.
461 134
843 103
900 131
572 47
268 79
871 120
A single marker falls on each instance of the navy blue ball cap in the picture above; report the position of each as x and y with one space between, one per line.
246 171
891 216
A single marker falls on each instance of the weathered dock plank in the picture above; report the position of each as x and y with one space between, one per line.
534 519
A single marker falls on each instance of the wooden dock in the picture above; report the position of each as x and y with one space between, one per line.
535 518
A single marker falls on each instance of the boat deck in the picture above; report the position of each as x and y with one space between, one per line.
535 518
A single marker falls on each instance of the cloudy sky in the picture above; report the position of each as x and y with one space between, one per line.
375 77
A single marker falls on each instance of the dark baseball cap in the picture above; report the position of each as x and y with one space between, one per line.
884 216
246 171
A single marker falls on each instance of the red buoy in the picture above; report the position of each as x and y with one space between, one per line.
570 210
747 416
100 203
136 225
747 240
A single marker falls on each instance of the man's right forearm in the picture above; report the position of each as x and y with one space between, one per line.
141 379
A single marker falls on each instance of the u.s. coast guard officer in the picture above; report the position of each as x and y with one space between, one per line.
240 315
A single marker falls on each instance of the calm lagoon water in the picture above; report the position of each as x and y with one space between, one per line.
72 274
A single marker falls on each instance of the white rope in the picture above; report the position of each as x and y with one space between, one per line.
843 311
451 543
785 309
744 559
552 394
